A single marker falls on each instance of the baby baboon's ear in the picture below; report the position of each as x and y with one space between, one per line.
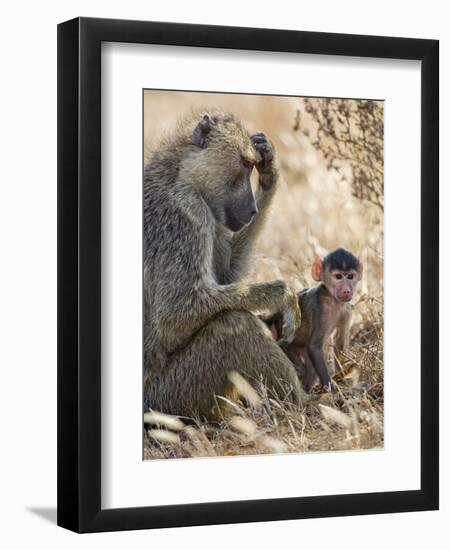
316 268
202 130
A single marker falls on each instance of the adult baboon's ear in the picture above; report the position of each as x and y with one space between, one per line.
316 268
202 130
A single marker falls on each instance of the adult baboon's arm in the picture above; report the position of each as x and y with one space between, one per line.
185 312
244 241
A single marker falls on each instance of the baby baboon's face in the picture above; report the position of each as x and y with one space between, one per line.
340 271
341 283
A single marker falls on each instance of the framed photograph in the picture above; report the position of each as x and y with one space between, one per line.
247 275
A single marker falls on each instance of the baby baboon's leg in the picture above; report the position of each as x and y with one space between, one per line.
232 341
303 365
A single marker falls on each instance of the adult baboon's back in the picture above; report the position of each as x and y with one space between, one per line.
200 223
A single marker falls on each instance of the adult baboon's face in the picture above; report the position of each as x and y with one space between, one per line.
223 169
240 205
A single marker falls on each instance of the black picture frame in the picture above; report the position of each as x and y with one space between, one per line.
79 269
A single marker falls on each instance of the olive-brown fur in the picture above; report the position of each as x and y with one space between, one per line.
199 321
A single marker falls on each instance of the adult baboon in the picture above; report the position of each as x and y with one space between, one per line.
201 220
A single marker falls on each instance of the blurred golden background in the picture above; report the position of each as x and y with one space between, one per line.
314 211
330 155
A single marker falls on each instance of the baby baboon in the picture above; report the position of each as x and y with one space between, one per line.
324 309
201 220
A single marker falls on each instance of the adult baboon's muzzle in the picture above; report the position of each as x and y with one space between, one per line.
249 214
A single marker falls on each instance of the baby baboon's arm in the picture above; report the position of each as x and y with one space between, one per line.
317 355
317 331
342 336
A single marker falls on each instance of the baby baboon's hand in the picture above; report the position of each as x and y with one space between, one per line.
266 165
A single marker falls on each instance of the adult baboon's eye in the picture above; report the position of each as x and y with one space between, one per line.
246 163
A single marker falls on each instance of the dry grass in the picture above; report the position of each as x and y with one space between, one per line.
315 211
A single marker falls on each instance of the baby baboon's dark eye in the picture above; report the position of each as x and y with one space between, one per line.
350 276
338 276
